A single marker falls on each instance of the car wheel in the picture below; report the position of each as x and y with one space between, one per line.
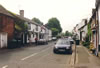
55 51
70 52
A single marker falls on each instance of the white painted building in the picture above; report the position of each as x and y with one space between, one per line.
76 31
50 35
31 30
82 28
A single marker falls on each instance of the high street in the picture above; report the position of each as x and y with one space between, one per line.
40 56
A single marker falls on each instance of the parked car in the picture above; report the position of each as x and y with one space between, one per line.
54 38
42 41
63 45
71 40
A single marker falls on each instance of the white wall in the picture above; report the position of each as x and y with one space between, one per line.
39 28
77 31
32 27
50 35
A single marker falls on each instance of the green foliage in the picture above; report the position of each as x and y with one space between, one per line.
21 26
54 32
89 29
37 21
60 35
67 33
86 42
54 23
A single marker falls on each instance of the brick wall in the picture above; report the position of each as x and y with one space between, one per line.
7 25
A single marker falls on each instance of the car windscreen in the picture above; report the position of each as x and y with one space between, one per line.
63 41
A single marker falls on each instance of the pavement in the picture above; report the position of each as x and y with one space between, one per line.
85 59
99 54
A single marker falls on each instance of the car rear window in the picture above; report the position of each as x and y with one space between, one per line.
63 41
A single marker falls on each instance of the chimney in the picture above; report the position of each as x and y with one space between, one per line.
22 13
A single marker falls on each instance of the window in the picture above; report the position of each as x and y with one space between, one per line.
41 30
29 26
36 28
1 22
33 34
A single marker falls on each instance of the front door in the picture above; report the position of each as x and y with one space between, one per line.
3 40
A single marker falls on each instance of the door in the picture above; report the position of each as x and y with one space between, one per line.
3 40
95 40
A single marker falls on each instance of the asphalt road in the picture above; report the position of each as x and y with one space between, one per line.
41 56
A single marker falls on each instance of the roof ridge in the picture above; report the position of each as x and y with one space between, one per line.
4 11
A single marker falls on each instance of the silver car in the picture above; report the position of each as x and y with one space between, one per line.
63 45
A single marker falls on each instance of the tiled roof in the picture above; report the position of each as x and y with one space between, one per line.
8 13
23 18
26 19
4 11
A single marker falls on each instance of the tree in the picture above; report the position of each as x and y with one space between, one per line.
37 21
54 32
54 23
67 33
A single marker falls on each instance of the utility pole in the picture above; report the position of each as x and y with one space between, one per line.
75 54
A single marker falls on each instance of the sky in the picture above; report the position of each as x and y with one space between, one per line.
68 12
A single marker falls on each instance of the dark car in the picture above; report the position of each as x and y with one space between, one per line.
63 45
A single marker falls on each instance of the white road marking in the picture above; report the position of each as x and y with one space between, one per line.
29 56
6 66
34 54
45 49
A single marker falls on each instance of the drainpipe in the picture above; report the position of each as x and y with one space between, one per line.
96 23
97 29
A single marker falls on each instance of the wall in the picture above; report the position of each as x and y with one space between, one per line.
99 23
50 35
32 28
85 31
7 24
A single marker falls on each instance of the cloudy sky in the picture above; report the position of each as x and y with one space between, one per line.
69 12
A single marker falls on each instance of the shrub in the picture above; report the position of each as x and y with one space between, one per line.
86 43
